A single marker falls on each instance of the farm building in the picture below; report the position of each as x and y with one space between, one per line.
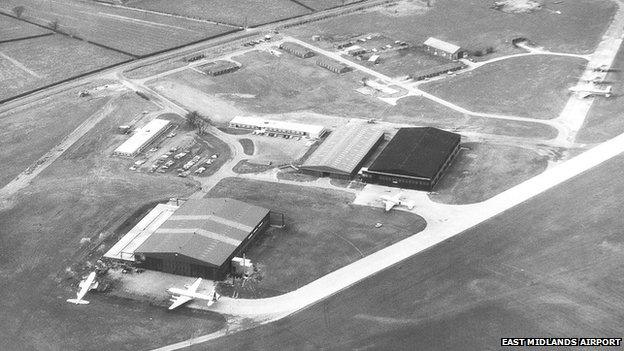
219 67
333 66
345 150
201 237
296 49
442 48
141 138
437 70
415 158
262 126
356 50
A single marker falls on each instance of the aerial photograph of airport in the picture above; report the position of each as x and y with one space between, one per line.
311 175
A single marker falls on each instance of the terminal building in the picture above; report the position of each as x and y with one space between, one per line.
415 158
142 137
444 49
261 126
345 150
199 238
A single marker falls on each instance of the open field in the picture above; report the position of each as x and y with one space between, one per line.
33 63
27 134
238 12
472 24
129 31
481 171
11 29
248 146
531 86
84 194
551 266
407 61
319 5
320 223
606 117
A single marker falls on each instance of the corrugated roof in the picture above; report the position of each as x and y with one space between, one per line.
344 149
207 230
142 136
442 45
417 152
312 129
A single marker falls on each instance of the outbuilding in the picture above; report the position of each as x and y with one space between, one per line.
415 158
444 49
296 49
333 65
219 67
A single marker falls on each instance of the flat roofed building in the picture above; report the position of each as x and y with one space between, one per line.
201 237
342 154
442 48
142 137
415 158
278 127
296 49
219 67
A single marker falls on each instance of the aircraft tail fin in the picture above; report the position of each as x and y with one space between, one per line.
78 302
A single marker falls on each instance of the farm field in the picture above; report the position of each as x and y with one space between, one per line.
236 12
84 194
472 24
128 31
482 170
33 63
319 223
605 119
320 5
11 29
551 266
529 86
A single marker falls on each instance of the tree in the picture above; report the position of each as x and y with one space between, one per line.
191 118
18 11
196 120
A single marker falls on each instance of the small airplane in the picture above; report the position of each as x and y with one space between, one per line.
391 201
182 296
85 285
584 91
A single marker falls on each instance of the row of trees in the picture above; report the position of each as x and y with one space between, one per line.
195 120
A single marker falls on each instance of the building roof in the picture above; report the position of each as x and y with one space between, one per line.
451 66
442 45
416 152
333 64
311 129
219 65
344 149
287 45
141 136
208 230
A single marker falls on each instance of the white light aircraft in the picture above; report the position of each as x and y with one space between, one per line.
584 91
182 296
398 199
85 285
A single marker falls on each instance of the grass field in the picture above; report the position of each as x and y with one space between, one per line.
407 61
242 13
533 86
33 63
27 134
552 266
319 224
11 28
483 170
135 32
320 5
471 23
605 119
248 146
85 193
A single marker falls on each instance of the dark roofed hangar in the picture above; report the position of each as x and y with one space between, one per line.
415 158
202 236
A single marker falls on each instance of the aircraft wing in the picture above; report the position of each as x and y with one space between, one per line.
389 205
584 94
195 285
179 300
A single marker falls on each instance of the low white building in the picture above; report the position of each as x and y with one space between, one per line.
278 127
142 137
445 49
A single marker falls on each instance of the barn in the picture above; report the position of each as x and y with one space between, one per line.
201 237
415 158
343 152
444 49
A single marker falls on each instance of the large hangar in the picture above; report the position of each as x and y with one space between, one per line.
342 154
415 158
201 237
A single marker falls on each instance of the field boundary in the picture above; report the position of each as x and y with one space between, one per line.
304 5
25 38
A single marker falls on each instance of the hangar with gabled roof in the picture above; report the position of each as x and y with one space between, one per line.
343 152
415 158
201 237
